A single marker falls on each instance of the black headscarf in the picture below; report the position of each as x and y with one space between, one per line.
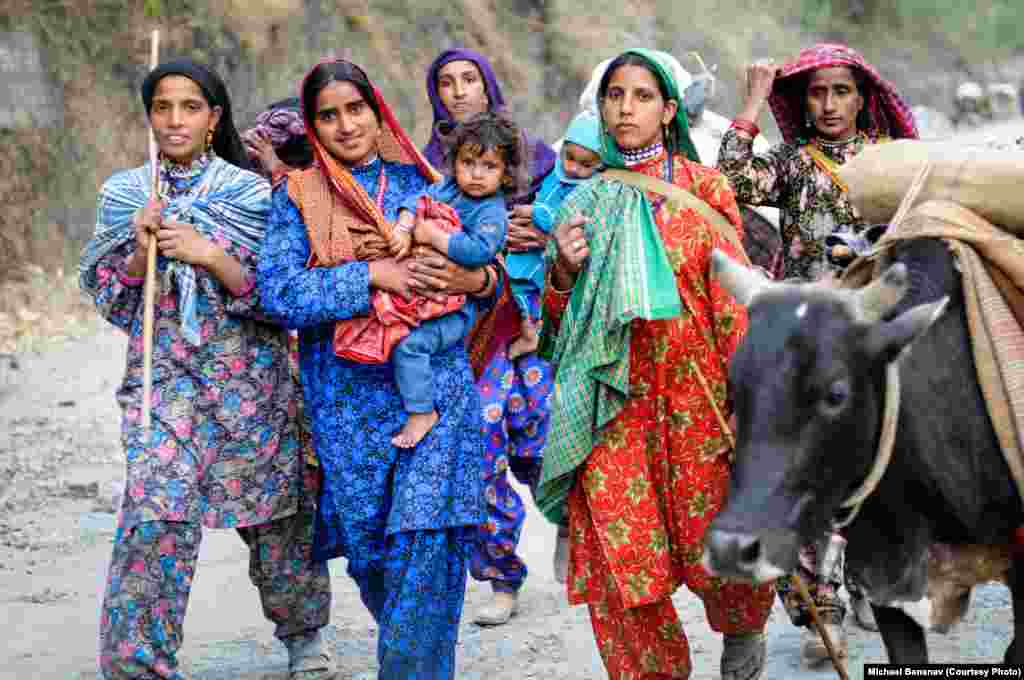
226 141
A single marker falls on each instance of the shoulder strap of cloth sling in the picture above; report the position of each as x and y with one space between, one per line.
681 198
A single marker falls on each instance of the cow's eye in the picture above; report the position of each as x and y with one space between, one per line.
836 395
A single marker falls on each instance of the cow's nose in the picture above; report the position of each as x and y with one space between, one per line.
734 554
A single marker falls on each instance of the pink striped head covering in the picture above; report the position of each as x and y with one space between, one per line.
888 114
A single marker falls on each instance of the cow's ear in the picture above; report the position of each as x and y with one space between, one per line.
887 339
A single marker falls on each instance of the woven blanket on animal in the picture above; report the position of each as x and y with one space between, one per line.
991 262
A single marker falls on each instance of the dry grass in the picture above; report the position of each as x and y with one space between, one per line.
543 57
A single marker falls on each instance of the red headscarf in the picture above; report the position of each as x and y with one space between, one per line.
355 229
889 113
344 223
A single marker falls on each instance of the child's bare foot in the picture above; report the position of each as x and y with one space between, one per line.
527 342
415 429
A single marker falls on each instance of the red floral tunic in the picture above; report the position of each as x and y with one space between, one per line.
660 470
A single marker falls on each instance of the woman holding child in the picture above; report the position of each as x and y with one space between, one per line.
514 383
404 518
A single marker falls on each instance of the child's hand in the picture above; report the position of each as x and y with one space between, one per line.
400 243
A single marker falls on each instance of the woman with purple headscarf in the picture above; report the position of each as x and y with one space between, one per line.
515 394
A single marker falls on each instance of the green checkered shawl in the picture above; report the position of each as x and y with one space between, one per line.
627 276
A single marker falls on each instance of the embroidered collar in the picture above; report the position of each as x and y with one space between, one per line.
840 152
637 156
177 179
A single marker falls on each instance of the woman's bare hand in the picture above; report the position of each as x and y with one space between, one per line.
147 222
390 275
523 237
572 244
182 242
435 276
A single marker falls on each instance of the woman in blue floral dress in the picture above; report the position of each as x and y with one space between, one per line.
222 449
515 391
404 519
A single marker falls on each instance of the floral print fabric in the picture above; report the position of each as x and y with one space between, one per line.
415 593
659 473
150 578
405 520
516 400
811 205
223 448
369 486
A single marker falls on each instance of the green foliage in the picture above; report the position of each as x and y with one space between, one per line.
153 9
977 29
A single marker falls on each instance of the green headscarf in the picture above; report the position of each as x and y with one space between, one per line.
627 276
657 60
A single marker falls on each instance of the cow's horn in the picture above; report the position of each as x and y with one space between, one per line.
882 294
742 282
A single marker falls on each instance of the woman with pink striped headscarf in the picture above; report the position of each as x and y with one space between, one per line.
829 104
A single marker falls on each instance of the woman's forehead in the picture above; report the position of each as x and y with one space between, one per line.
457 68
178 87
633 76
832 75
338 93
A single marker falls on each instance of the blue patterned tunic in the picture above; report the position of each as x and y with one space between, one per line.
385 509
223 449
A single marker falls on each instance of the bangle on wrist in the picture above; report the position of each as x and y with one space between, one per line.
746 126
487 283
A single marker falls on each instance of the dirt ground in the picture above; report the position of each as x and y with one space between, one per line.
61 465
60 475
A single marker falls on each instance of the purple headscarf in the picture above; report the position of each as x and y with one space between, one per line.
540 157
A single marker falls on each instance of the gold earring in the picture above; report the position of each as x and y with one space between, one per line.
209 138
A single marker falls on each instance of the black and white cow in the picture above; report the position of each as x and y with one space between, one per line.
808 386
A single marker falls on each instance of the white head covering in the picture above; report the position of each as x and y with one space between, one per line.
588 100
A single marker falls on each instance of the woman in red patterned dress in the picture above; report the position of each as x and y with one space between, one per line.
637 323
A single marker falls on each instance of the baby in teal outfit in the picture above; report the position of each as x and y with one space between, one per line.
579 159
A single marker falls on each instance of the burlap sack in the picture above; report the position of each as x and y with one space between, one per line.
988 182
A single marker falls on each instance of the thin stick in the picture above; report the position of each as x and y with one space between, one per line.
149 292
801 588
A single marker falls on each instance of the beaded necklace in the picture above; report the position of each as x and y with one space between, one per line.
637 156
177 179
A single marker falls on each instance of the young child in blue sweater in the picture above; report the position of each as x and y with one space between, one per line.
485 157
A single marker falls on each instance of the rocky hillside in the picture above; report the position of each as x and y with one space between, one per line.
72 114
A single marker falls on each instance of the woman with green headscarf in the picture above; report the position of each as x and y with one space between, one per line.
637 457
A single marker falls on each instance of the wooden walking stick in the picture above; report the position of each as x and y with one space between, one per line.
149 291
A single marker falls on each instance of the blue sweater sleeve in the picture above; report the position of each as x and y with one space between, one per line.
482 237
549 200
410 201
297 296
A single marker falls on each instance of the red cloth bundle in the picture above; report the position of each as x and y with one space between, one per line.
370 339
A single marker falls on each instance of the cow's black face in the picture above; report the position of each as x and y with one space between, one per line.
807 387
806 398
